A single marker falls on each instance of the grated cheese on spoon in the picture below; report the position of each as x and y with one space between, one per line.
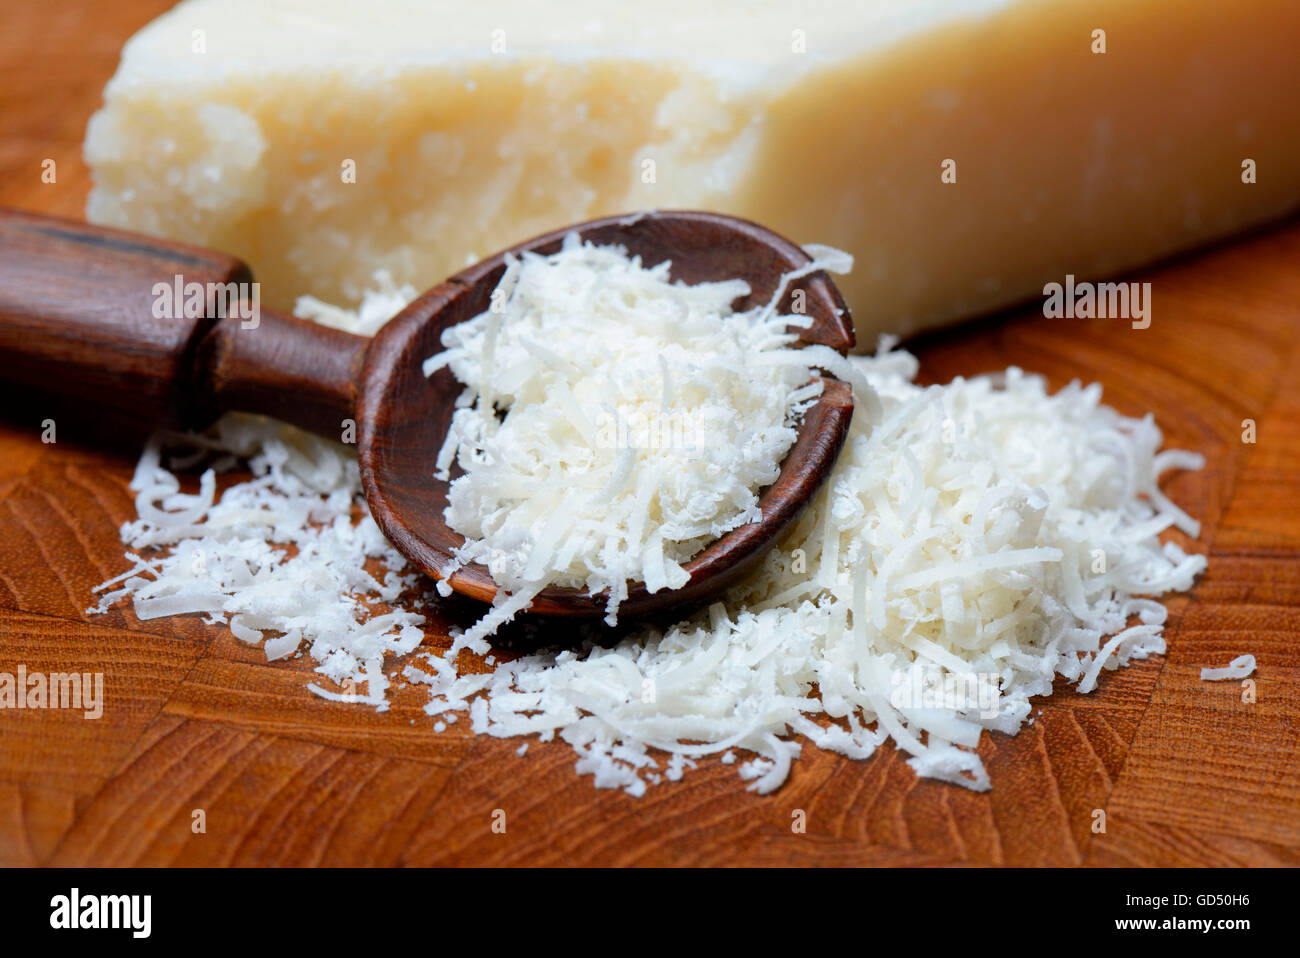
976 541
614 422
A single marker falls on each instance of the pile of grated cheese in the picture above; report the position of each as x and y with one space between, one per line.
615 422
975 541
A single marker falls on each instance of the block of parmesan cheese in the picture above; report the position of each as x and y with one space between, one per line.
966 152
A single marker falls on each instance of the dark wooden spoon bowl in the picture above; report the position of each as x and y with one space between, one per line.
78 316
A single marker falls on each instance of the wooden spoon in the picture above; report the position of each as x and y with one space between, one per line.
80 316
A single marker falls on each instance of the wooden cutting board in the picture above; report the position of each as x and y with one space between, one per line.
1185 772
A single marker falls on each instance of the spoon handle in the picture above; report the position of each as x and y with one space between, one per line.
142 332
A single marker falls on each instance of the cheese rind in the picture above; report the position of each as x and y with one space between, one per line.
239 124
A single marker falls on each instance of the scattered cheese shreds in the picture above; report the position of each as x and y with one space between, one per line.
1243 666
280 552
978 540
614 421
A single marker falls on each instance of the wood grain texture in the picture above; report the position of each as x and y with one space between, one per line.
78 317
104 329
286 367
1187 772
